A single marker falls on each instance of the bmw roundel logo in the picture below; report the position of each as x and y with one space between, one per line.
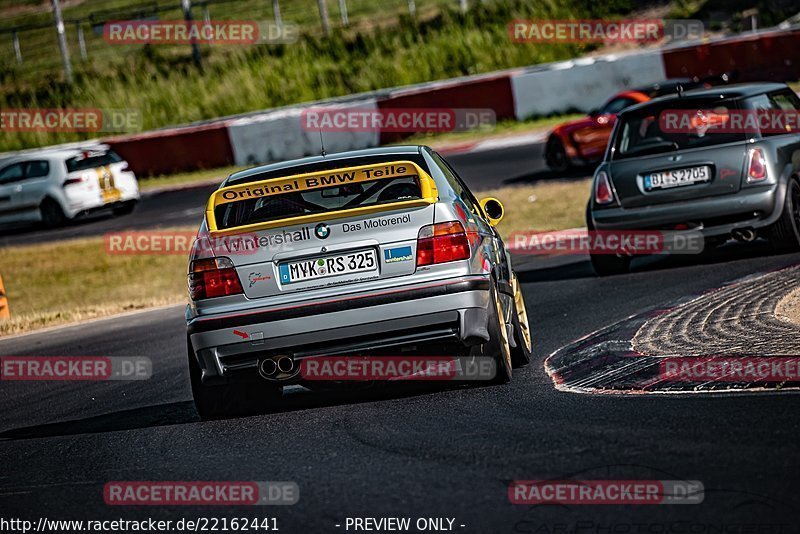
322 231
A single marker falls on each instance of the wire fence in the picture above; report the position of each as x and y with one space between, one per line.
29 41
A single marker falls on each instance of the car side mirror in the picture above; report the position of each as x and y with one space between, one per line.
595 112
493 209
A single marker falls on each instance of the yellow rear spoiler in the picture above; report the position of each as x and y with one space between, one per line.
319 180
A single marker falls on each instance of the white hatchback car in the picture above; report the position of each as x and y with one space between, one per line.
52 186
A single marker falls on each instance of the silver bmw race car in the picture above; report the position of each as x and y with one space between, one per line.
374 252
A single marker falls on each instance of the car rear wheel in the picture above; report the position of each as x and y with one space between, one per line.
610 264
521 353
784 235
52 214
214 402
606 264
498 347
556 155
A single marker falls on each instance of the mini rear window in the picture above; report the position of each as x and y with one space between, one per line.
92 160
314 201
640 133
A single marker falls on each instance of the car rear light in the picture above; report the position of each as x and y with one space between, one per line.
756 166
70 181
214 277
442 243
602 189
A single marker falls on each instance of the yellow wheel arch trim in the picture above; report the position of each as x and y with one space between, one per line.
319 180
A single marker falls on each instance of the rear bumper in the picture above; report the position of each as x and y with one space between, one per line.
446 311
754 207
77 202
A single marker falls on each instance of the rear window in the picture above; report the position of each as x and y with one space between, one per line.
640 133
310 202
774 104
91 160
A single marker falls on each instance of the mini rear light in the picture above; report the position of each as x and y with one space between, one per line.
214 277
602 189
442 243
756 166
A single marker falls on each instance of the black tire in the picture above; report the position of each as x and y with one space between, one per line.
610 264
521 353
125 208
606 264
556 155
52 214
498 347
784 235
214 402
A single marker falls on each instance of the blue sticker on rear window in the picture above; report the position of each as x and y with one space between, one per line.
392 255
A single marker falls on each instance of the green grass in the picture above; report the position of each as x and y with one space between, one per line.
77 280
168 89
39 46
72 281
551 205
187 178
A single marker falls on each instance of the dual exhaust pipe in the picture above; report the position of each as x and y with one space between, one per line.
745 235
277 368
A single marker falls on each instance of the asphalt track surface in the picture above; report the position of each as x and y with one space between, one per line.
481 170
420 451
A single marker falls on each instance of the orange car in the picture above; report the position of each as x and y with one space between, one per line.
583 141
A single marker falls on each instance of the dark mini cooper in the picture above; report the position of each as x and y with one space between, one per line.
724 162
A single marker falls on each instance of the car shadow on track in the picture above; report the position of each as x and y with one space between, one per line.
179 413
28 228
573 174
528 272
148 416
